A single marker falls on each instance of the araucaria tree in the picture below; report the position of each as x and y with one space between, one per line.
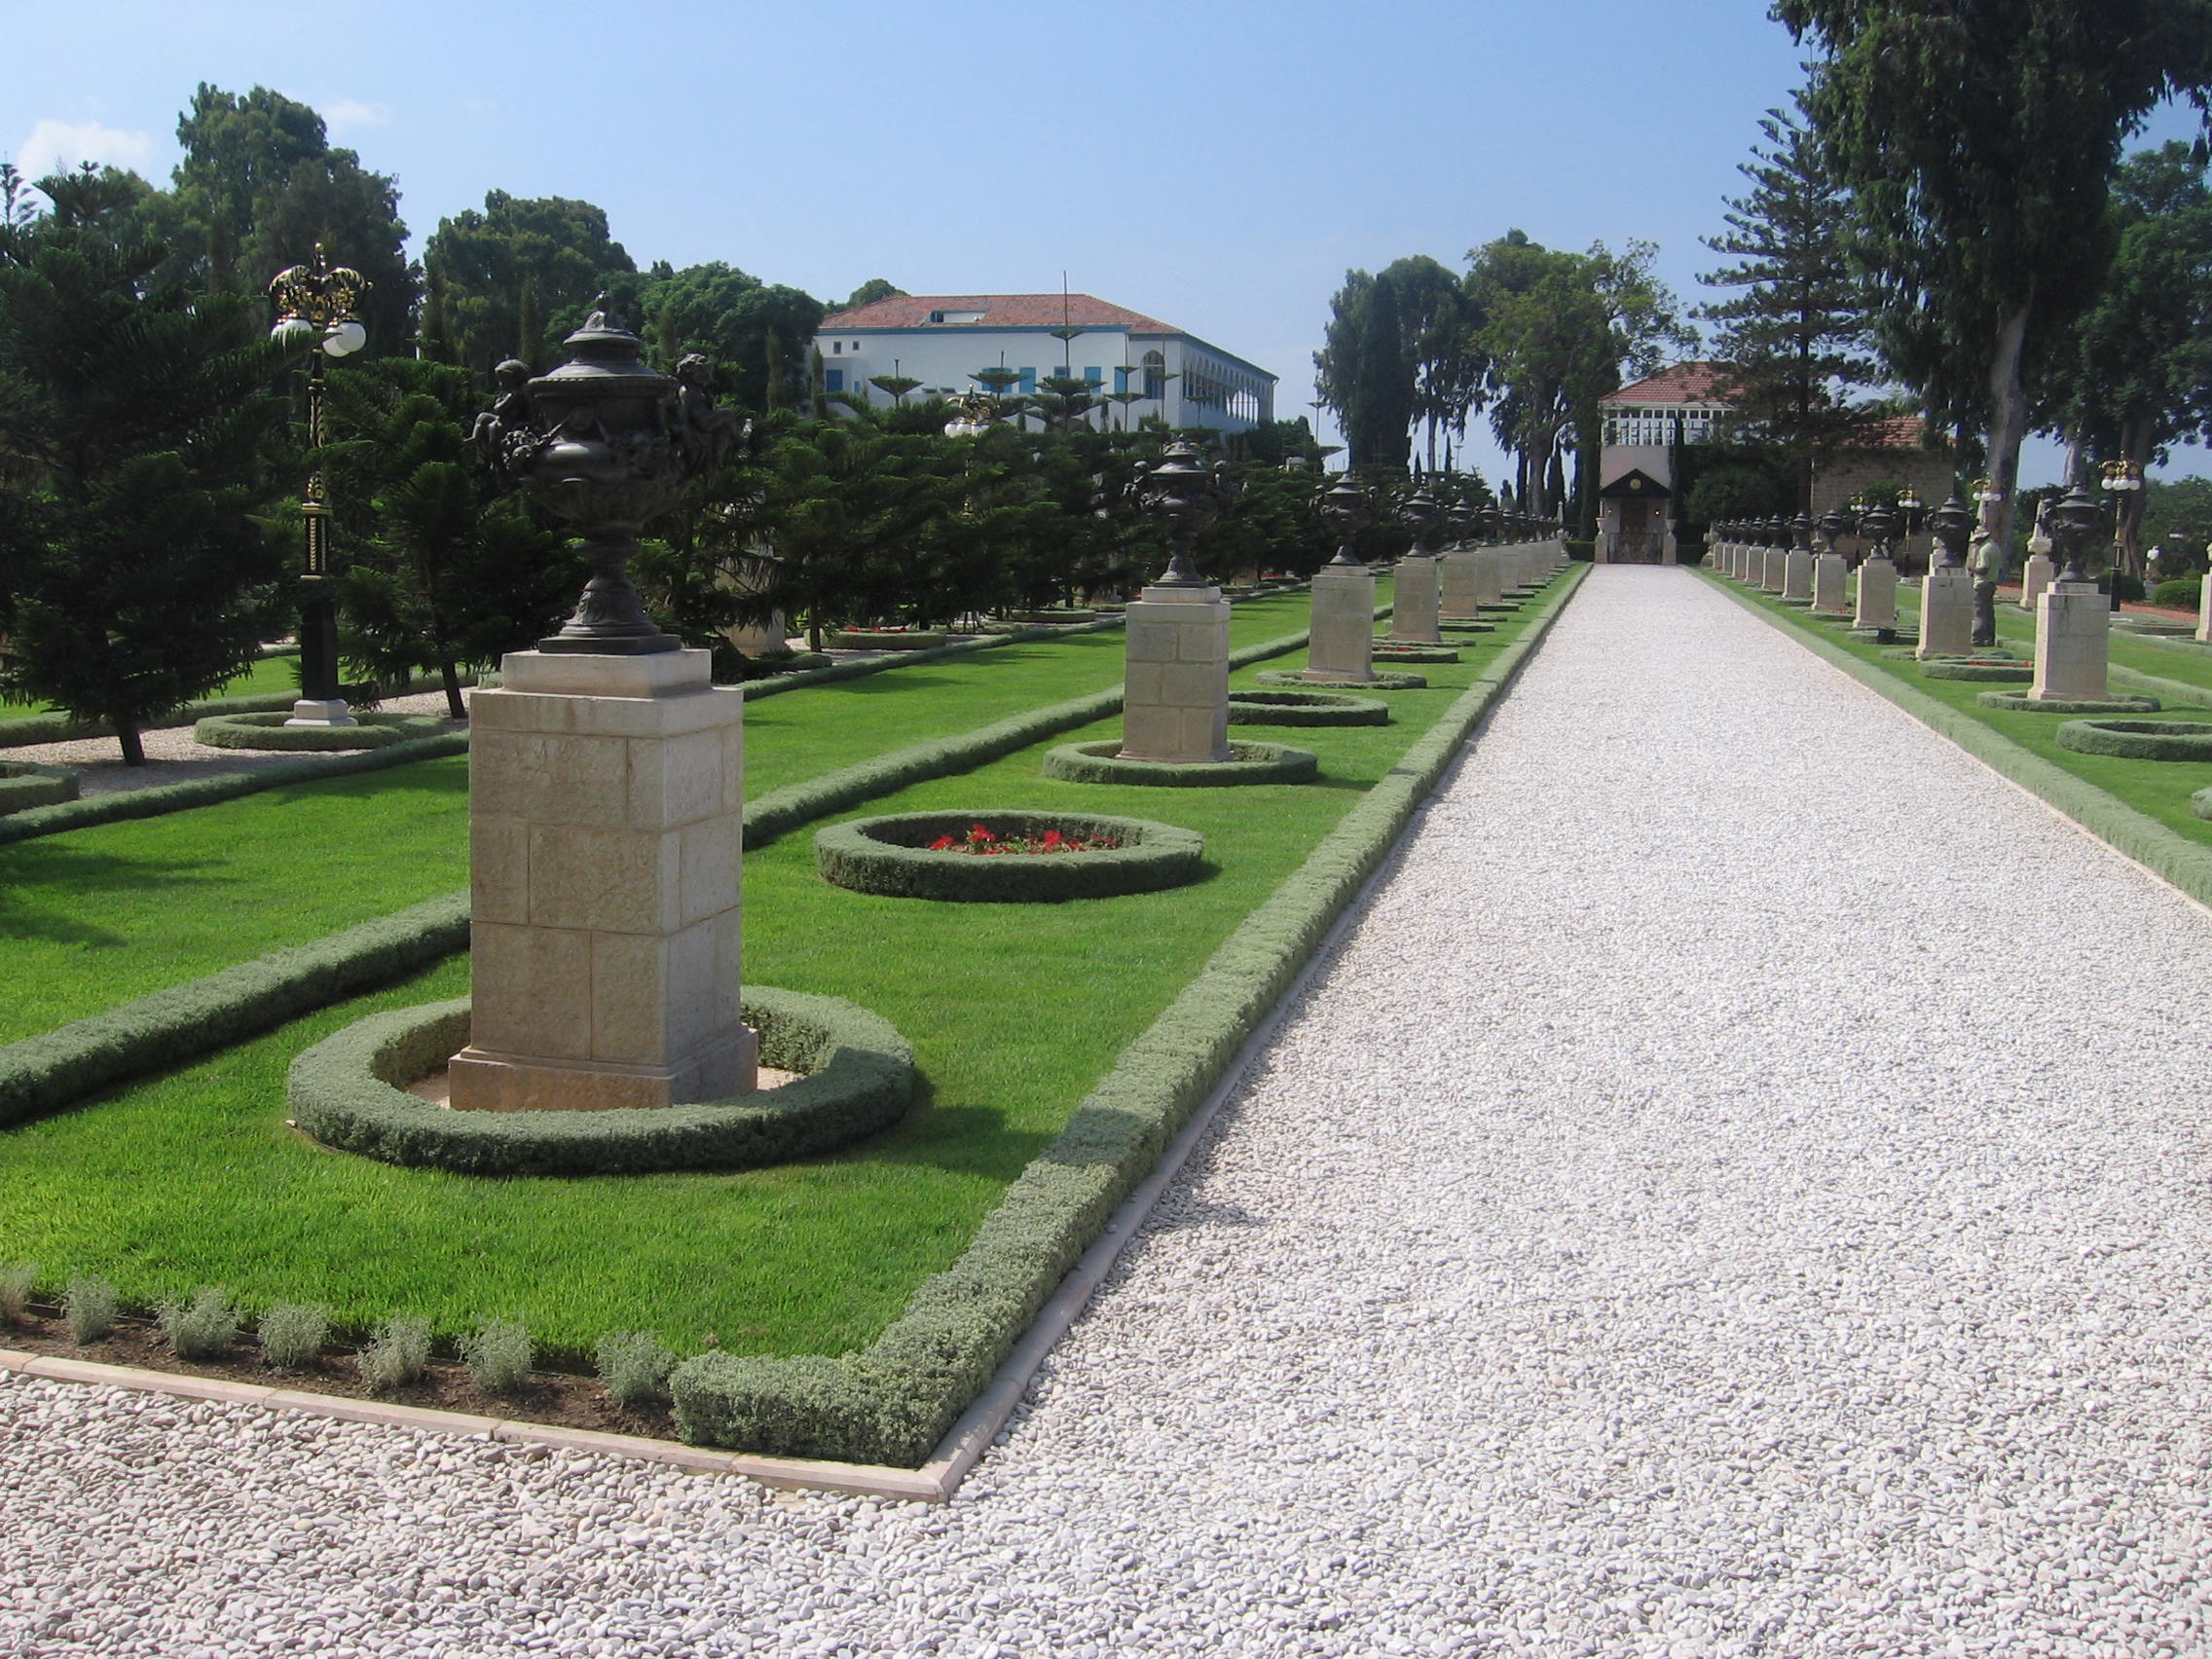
139 441
1793 339
1978 142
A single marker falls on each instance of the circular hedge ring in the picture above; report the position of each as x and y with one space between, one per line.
2138 740
1381 682
1248 763
1414 650
268 731
877 639
892 858
1305 707
1464 625
25 784
2021 702
2005 673
856 1076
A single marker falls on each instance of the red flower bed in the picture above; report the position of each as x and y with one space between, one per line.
983 843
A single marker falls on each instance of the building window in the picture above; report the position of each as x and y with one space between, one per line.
1121 380
833 380
836 347
1154 375
1028 381
1095 376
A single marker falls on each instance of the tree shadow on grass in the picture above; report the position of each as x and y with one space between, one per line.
40 870
960 1140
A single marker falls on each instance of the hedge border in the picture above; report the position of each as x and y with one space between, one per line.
1152 856
349 1091
1249 763
2007 674
59 728
1375 682
269 733
26 784
121 804
2165 853
183 1022
1303 707
1464 625
2137 740
1414 650
2019 702
876 640
891 1402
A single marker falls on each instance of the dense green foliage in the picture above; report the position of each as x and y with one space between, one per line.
1247 764
495 279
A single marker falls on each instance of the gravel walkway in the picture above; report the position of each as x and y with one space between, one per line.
1742 1192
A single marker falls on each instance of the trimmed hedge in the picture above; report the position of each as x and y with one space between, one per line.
121 804
857 1076
2181 593
268 731
2015 673
891 1403
1464 625
1059 616
2138 740
2019 702
59 728
24 785
1306 708
1249 763
171 1026
1389 651
889 856
1380 682
874 640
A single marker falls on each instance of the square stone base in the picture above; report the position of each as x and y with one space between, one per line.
1175 684
1877 595
1413 602
319 712
1342 643
2073 636
487 1082
1946 612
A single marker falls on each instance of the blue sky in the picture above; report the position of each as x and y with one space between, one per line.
1219 163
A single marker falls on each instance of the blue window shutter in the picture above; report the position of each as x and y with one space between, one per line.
1028 380
1121 380
1095 376
833 380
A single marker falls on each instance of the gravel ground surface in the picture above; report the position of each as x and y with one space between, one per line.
1740 1191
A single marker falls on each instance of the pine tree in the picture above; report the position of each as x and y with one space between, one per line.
139 441
1795 336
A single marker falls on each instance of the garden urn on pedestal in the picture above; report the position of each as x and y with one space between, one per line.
2073 619
1414 594
1175 684
1831 592
605 775
1946 596
1342 643
1877 572
1797 561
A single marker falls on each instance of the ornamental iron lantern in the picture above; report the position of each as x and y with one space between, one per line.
312 300
1347 509
1185 496
1953 526
608 441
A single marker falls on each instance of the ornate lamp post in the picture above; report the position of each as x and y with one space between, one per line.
313 299
608 441
1185 496
2123 479
1347 510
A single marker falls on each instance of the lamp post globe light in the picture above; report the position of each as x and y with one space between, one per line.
318 299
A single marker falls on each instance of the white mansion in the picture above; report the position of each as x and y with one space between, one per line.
944 340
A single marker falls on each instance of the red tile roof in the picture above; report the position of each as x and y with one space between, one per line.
1684 382
1000 311
1892 431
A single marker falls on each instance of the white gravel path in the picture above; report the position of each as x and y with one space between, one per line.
1742 1191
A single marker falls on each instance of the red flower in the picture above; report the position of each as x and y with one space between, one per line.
940 843
976 832
1052 837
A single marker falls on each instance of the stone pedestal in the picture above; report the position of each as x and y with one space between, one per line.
1831 592
1462 577
1175 702
771 638
1877 595
1772 563
1414 600
2036 576
2204 610
322 712
1342 643
1946 612
1797 573
2072 630
605 805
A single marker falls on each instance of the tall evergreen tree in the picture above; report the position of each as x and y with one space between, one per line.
139 442
1979 143
556 251
1365 370
1795 338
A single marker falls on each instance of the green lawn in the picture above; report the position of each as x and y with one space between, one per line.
2159 789
97 916
1015 1012
269 674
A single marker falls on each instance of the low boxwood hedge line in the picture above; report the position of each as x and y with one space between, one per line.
2021 702
168 1027
1055 616
1248 763
1306 708
889 856
24 785
268 731
121 804
879 640
1411 651
1998 673
2138 740
856 1077
1377 683
891 1402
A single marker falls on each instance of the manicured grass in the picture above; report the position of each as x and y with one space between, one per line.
269 674
97 916
1015 1010
2159 789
